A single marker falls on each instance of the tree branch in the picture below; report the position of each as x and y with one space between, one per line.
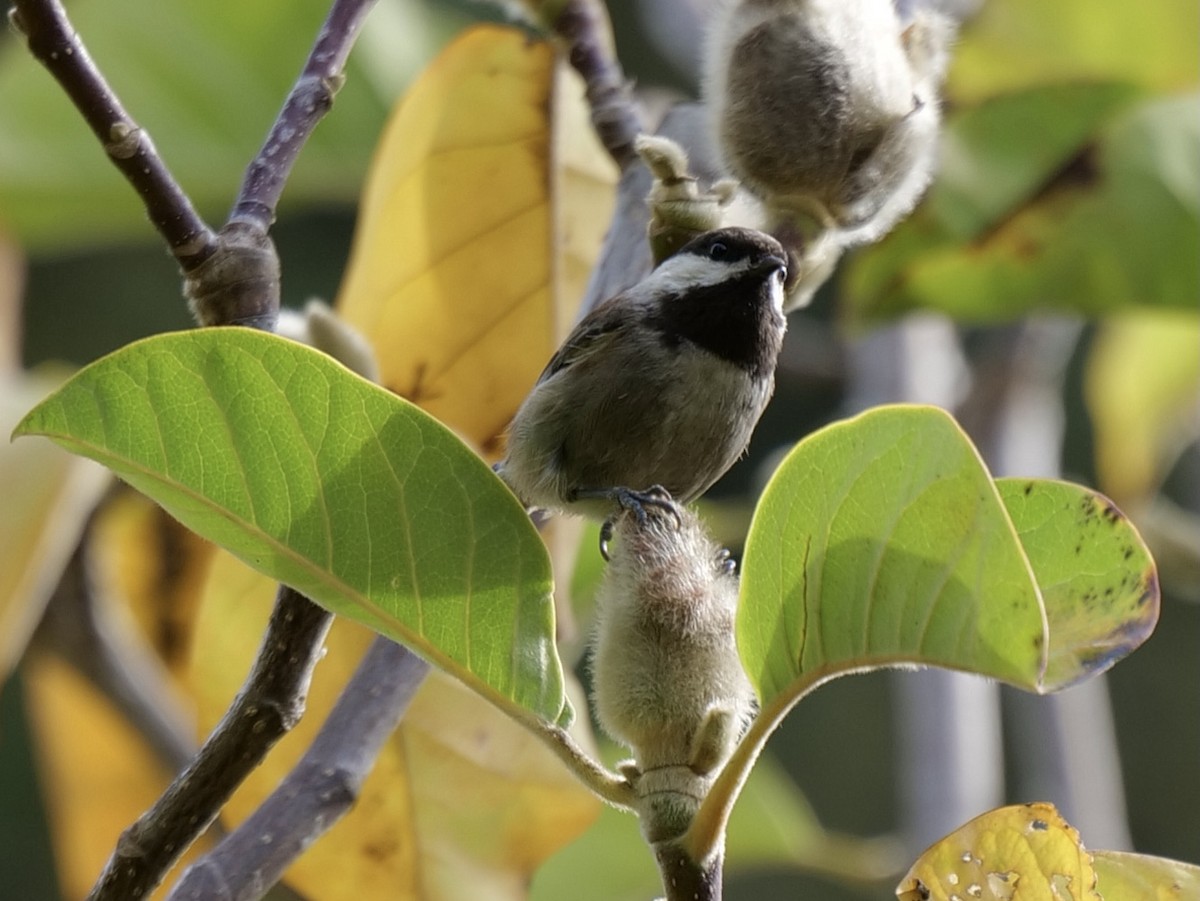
686 880
54 43
320 789
231 278
269 705
583 25
309 100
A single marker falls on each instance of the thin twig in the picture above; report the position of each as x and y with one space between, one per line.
232 277
320 789
269 705
309 100
54 43
583 25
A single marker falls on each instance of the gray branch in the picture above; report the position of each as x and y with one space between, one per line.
584 27
310 99
55 44
319 790
269 705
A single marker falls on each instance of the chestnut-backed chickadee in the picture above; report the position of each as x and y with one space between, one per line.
659 386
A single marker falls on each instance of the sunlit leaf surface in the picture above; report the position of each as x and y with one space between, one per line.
1018 853
333 485
1096 576
881 540
486 204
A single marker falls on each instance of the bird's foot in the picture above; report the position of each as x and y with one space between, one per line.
628 500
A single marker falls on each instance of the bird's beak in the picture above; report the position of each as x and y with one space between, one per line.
770 263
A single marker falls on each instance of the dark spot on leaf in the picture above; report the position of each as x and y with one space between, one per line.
1150 591
1028 488
1040 825
1078 549
1128 552
1111 513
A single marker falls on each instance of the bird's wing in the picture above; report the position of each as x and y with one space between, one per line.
595 331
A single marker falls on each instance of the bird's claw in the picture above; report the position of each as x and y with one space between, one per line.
606 534
654 496
725 562
634 502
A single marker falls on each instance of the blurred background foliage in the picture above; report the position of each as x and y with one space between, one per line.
1068 205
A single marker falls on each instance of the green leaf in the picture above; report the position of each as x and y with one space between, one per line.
881 540
206 80
1017 44
324 481
1096 576
1062 198
884 541
985 170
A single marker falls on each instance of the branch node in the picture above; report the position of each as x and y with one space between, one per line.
124 140
239 283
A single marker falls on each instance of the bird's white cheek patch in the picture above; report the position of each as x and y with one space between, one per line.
777 294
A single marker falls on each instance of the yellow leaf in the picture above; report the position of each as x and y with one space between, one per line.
1142 386
99 775
1026 852
485 206
462 803
48 495
1138 877
155 566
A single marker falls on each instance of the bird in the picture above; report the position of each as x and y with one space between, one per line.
656 391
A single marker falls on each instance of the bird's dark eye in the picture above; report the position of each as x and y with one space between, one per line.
718 251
